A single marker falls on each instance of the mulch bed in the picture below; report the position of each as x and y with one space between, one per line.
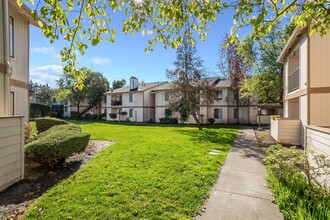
264 138
38 179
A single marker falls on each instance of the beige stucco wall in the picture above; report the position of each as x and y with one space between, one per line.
160 99
137 114
20 62
21 106
138 99
210 114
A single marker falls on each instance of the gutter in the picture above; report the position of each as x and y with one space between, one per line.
5 15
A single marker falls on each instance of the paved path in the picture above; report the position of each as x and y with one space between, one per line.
241 190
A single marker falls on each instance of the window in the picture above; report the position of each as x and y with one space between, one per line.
167 96
131 97
105 111
218 113
130 114
105 99
236 113
219 95
11 36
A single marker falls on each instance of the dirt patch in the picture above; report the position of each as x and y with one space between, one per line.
38 179
264 138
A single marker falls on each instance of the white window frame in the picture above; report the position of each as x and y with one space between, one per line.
131 110
220 113
219 94
167 96
131 99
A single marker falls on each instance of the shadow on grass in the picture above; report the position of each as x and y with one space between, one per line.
38 179
215 135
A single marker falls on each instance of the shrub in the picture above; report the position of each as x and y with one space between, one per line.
74 115
168 112
294 183
174 121
88 116
63 128
123 113
43 124
54 147
94 116
164 120
113 115
29 133
39 109
52 114
211 120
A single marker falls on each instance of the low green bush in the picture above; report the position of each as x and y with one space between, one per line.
165 120
74 115
60 128
43 124
294 182
211 120
57 144
113 115
174 121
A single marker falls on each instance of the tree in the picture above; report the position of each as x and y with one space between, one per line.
84 22
43 93
190 90
116 84
261 55
96 85
233 67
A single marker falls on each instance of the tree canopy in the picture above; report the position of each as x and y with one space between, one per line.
84 22
266 83
190 90
116 84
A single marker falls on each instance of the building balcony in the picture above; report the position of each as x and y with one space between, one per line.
116 102
293 80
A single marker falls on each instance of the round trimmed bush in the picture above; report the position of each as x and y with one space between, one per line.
43 124
57 144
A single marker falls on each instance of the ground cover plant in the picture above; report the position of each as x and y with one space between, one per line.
294 184
151 172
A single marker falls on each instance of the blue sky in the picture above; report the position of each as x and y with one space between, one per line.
125 57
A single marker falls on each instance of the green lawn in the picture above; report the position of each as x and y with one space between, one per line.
151 172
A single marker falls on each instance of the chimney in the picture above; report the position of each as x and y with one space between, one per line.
133 83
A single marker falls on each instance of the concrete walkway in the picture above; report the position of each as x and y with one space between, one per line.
241 190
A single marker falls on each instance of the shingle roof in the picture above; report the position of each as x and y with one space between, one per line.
141 87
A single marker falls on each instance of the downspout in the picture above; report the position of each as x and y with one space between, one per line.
5 16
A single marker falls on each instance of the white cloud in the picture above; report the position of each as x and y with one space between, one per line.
99 61
46 74
50 51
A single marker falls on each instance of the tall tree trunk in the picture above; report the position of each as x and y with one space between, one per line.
78 107
198 122
237 105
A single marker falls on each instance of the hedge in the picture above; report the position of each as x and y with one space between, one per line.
63 128
43 124
52 148
166 120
